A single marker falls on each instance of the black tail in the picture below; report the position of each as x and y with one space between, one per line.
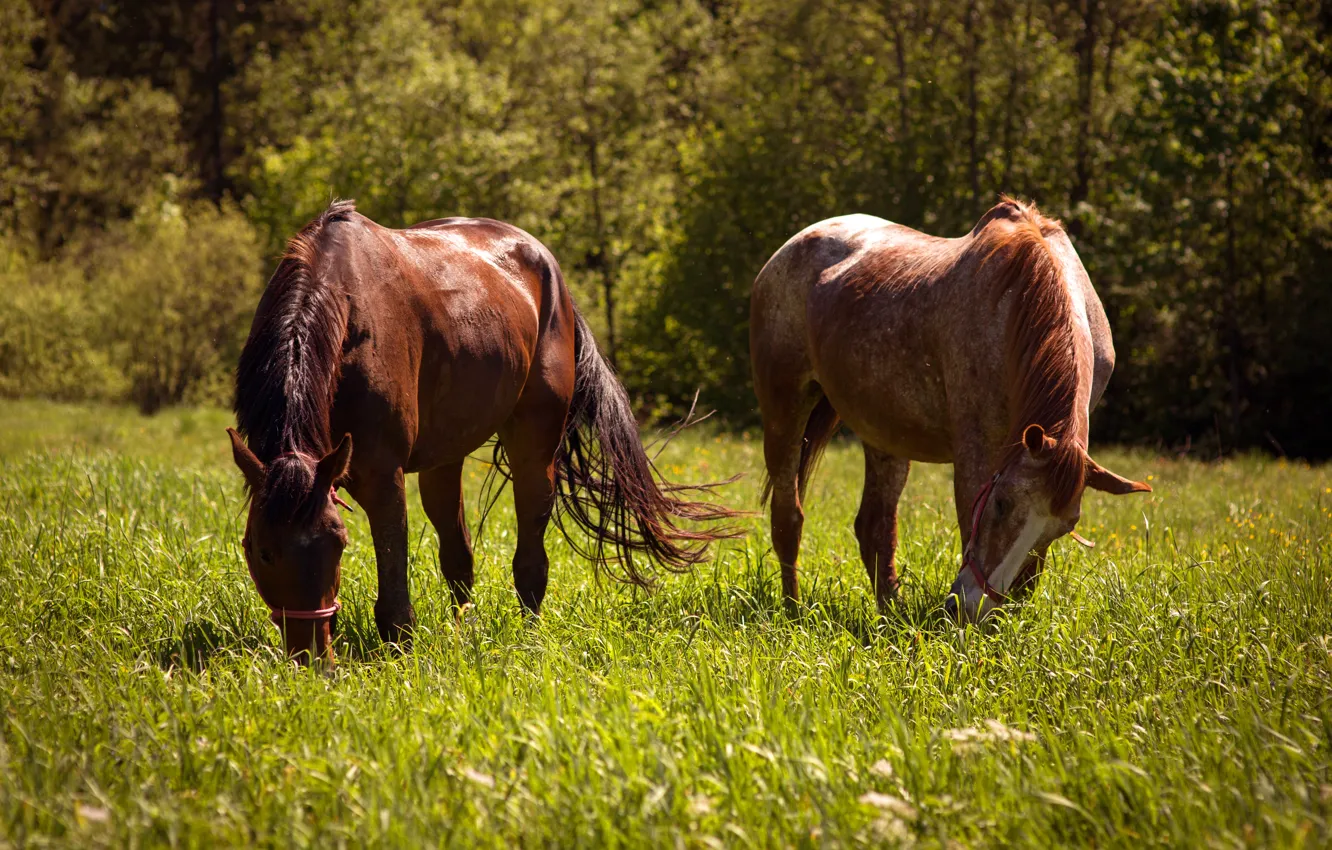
607 484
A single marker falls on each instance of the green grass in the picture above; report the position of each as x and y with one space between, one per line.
1170 687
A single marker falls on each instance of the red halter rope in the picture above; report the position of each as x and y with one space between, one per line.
968 556
280 615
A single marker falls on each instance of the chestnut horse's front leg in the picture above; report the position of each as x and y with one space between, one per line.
384 497
876 523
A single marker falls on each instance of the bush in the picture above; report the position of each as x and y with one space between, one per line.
153 311
183 288
48 333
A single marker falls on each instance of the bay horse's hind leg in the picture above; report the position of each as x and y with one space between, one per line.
530 440
533 502
442 498
876 522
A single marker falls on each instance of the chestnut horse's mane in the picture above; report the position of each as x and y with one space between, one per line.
288 370
1040 357
1040 360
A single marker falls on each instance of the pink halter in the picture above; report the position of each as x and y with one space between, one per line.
969 556
280 615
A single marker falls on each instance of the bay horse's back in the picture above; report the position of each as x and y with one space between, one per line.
378 352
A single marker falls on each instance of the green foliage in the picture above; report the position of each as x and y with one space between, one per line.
1220 224
155 310
664 150
1168 688
52 333
183 287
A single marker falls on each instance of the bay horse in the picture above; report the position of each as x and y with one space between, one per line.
987 351
417 346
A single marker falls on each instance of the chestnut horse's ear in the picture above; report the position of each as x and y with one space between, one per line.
1100 478
333 467
1038 443
250 466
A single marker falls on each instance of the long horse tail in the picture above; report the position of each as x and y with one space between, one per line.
607 484
819 430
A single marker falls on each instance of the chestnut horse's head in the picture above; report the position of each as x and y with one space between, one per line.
1034 499
294 539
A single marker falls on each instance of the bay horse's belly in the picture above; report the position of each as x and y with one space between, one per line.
474 366
877 364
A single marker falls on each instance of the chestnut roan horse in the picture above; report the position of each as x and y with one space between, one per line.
416 346
988 352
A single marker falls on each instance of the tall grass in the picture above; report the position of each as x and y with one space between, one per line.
1168 688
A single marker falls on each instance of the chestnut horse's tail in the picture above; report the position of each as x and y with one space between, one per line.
607 484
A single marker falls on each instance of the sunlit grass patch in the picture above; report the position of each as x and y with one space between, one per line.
1168 687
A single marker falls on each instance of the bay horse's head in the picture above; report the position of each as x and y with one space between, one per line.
294 539
1034 499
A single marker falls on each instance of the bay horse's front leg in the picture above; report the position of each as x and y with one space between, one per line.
876 523
442 498
384 497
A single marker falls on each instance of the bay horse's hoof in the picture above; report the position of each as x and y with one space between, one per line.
791 605
466 615
396 626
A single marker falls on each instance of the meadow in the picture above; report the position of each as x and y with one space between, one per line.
1168 688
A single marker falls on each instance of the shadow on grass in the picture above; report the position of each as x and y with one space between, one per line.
750 594
201 641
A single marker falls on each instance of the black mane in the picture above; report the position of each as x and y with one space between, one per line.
288 370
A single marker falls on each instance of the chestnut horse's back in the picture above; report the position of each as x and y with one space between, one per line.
959 351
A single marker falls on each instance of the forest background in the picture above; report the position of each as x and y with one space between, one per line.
154 157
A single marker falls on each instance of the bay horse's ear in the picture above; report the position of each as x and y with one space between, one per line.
1100 478
1038 443
333 466
250 466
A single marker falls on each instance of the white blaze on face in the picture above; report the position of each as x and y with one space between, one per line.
1003 576
969 593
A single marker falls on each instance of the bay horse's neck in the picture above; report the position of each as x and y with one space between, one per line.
288 372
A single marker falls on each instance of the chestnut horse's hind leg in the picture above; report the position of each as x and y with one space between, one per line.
384 498
876 523
442 498
783 439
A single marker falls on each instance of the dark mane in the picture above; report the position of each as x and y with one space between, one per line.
1040 357
288 370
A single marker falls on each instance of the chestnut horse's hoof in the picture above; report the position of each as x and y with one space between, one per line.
396 626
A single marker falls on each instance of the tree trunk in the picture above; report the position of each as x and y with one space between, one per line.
1011 108
1234 341
603 254
910 213
1086 51
217 177
973 120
